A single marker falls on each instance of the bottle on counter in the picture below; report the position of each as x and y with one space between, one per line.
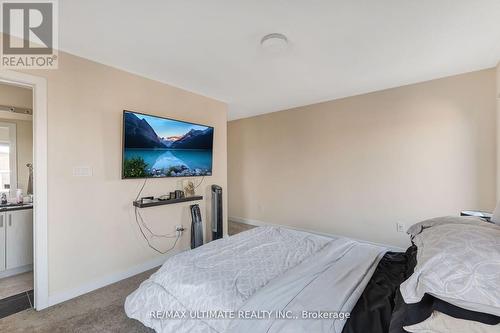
19 196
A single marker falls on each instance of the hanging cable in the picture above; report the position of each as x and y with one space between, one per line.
151 232
142 188
147 239
138 217
201 181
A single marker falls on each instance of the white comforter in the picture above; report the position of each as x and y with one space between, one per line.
260 271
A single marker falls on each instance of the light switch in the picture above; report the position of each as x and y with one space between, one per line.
82 171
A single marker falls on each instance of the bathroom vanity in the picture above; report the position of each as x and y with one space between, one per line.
16 239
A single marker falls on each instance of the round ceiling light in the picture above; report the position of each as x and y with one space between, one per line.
274 42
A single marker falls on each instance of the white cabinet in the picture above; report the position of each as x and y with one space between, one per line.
16 239
2 242
19 238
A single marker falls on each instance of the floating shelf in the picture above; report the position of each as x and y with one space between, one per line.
156 202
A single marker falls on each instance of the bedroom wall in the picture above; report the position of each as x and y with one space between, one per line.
357 166
92 233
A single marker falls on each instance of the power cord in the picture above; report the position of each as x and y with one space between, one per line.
147 239
147 228
142 188
138 217
201 181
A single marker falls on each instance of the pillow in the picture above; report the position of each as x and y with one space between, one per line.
417 228
458 263
441 323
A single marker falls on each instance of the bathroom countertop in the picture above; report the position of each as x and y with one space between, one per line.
8 208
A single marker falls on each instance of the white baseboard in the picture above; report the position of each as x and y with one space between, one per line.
107 280
15 271
258 223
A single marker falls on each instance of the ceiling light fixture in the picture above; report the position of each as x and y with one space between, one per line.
274 42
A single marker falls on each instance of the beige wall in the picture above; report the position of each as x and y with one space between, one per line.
23 98
358 165
16 96
92 232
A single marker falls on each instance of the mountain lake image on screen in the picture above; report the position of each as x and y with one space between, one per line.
161 147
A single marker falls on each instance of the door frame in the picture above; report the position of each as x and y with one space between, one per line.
40 197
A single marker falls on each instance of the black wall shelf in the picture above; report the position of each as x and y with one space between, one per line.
156 202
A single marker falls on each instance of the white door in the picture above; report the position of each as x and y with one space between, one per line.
19 246
2 242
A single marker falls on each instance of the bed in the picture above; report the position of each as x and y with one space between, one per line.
272 279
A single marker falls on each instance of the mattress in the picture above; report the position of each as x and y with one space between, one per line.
267 279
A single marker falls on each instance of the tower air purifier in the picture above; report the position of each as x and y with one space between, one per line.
217 231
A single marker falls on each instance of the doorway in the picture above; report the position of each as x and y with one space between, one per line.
32 178
16 197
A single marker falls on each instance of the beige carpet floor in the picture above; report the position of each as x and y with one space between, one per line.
236 227
16 284
98 311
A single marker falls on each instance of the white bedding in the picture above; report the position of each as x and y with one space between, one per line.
458 261
264 269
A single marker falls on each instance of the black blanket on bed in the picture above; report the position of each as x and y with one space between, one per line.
374 310
381 308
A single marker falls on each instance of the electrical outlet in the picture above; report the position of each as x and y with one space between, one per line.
178 230
400 227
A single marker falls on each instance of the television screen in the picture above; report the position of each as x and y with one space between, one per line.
162 147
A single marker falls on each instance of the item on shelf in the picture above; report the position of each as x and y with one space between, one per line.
164 197
188 186
172 195
147 199
179 194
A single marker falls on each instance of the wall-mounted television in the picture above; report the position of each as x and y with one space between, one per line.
162 147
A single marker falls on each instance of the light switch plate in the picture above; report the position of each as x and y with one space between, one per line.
400 227
82 171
